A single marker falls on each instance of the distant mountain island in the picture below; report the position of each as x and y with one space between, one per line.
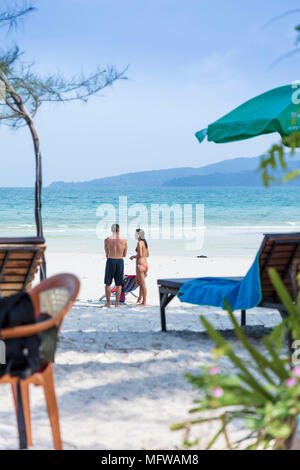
235 172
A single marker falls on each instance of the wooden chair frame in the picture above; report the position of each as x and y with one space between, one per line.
278 250
20 259
44 377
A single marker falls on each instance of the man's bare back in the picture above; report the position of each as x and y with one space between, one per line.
115 247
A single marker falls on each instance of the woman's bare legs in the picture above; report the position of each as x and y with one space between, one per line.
142 283
140 296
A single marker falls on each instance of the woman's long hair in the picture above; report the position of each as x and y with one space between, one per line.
141 235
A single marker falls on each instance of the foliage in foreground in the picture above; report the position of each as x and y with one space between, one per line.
266 395
277 158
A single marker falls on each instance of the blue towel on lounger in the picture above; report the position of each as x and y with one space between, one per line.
240 294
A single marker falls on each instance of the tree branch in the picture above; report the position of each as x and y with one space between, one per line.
9 116
11 16
279 17
27 90
284 56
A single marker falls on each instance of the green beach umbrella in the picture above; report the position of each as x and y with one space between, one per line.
276 110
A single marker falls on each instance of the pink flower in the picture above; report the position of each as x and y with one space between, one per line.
216 370
218 392
296 371
290 382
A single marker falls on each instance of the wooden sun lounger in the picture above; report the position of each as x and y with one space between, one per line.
20 259
278 250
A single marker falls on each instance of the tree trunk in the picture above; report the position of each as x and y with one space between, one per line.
38 189
38 163
38 180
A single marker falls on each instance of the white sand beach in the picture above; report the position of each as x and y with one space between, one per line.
119 380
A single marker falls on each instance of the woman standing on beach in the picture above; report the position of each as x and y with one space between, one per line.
142 253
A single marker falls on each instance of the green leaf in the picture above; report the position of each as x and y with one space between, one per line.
293 319
247 376
280 430
259 359
277 362
190 444
290 176
278 336
177 426
213 440
282 159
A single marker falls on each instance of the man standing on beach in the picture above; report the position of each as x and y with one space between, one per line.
115 250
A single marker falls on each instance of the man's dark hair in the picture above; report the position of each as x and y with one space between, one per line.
115 228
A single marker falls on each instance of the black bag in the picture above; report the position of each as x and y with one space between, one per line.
22 354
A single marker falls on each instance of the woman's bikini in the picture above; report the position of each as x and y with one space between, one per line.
145 266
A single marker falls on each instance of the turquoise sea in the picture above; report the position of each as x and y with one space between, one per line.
234 218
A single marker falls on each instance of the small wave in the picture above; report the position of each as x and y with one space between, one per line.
250 227
55 231
21 226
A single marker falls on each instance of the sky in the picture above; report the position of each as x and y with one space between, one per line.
189 62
